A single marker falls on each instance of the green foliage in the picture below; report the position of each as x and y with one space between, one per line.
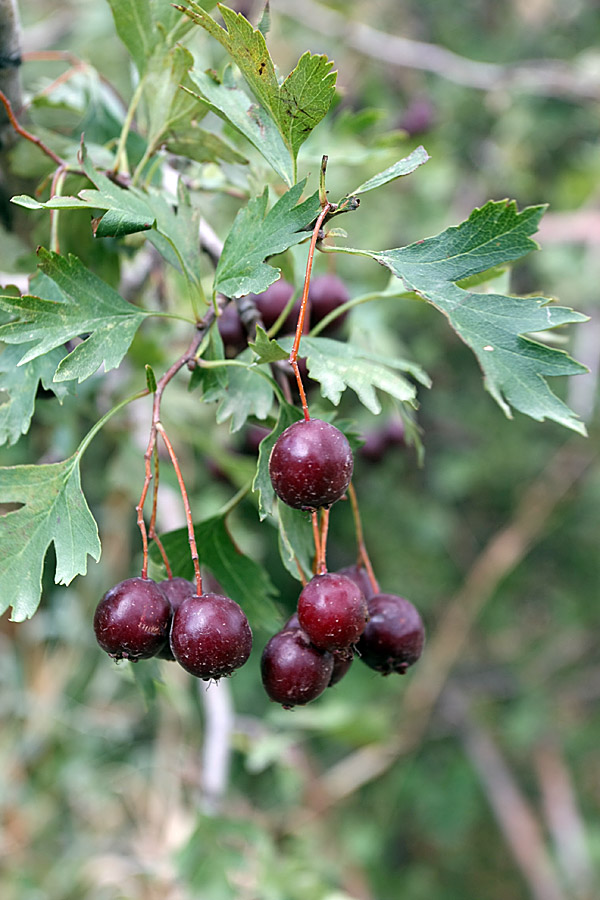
86 304
493 325
52 510
257 233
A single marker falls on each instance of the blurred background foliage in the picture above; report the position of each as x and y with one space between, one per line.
474 776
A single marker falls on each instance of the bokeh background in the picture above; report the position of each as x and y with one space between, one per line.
474 777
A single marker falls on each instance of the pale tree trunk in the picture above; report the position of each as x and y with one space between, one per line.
10 60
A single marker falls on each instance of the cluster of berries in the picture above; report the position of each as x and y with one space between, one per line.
209 636
339 614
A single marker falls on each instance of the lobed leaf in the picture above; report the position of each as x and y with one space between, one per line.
54 511
257 234
494 326
86 305
338 366
297 105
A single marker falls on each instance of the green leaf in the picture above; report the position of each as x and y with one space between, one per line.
233 105
267 350
135 27
20 383
304 99
245 392
150 379
338 365
296 540
87 306
297 105
166 105
241 578
262 483
495 326
196 143
402 167
54 510
256 234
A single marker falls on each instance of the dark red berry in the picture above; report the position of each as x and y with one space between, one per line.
394 636
272 302
359 576
332 610
342 660
132 619
311 464
293 671
231 329
210 636
325 294
176 590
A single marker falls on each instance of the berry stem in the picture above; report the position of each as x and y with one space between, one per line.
27 134
293 359
317 538
363 556
186 504
152 528
140 507
322 566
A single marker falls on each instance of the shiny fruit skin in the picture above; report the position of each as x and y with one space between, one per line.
358 574
293 671
342 660
132 619
332 610
394 636
310 464
176 590
210 636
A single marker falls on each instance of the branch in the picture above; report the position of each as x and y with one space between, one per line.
10 60
505 550
518 823
548 77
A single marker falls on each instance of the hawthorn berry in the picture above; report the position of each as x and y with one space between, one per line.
210 636
332 610
272 302
394 635
360 577
132 619
310 464
294 672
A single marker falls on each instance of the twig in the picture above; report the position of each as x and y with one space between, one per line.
27 134
518 823
563 817
546 76
498 558
152 527
293 359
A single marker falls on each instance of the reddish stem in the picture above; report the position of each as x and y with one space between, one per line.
186 505
152 527
322 567
363 556
293 359
140 507
27 134
317 539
